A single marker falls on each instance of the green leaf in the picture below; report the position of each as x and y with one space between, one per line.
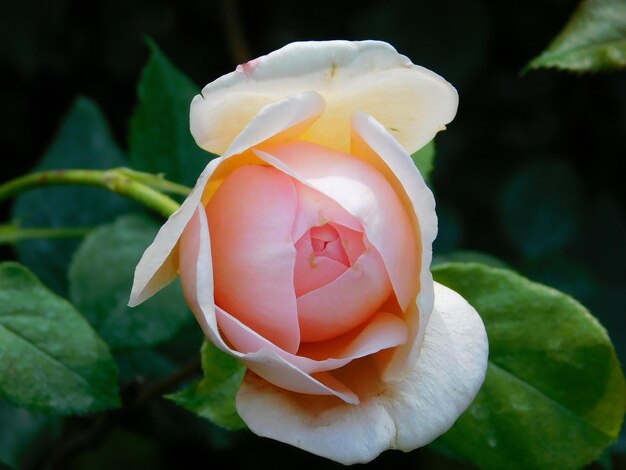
28 434
160 140
213 397
424 160
594 39
101 276
554 393
469 256
83 141
51 360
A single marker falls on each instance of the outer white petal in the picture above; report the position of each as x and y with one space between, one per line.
158 265
281 121
401 415
412 102
372 143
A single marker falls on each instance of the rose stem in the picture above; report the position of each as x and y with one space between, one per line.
114 180
13 233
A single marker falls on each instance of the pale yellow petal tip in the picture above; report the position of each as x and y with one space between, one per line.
135 298
139 293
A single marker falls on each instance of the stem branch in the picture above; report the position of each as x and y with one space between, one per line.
13 233
114 180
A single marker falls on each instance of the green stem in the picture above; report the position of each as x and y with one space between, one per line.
113 180
156 182
13 233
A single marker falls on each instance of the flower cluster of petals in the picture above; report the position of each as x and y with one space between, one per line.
304 250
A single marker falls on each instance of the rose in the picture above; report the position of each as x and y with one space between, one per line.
304 250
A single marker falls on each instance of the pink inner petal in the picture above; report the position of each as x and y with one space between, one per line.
248 341
384 330
346 302
324 233
313 271
364 192
334 250
325 241
321 256
315 209
196 274
250 220
352 242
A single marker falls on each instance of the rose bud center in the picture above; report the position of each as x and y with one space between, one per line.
324 253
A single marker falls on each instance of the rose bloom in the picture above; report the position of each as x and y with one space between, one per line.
304 250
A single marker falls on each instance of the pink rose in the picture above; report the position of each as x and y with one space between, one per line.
304 250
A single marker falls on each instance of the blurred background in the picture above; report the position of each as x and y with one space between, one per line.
530 171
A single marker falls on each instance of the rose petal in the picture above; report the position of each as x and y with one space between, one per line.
352 242
383 331
313 271
158 265
250 218
364 193
403 414
375 145
196 273
411 101
315 209
283 120
346 302
246 340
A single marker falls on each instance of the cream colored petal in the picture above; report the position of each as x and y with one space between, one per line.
279 121
403 414
282 121
372 143
412 102
158 265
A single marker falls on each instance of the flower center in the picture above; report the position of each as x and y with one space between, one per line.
325 241
323 254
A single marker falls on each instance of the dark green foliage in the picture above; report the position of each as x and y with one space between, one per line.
83 141
101 276
160 141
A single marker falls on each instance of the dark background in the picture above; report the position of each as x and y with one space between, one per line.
530 171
